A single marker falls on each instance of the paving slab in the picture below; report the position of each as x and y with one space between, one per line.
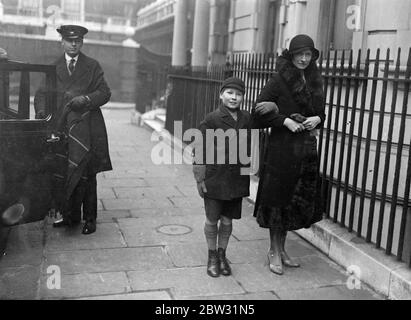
247 229
246 251
108 260
165 171
129 204
188 254
112 215
19 282
24 245
166 211
118 182
148 295
184 282
246 296
188 191
118 173
105 193
187 202
314 272
339 292
177 181
107 235
148 231
150 192
86 284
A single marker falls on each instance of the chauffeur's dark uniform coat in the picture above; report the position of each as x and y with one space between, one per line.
87 79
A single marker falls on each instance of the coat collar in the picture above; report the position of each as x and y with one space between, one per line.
63 74
228 118
301 89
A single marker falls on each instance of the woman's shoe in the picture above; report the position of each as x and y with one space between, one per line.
288 262
225 268
274 267
213 268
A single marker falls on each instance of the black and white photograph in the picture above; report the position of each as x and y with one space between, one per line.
205 156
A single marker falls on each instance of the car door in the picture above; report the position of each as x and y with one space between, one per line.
25 153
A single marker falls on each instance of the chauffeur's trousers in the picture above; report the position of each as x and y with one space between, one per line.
84 196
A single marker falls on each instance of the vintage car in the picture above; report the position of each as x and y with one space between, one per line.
26 143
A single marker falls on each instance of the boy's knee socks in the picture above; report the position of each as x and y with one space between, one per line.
210 231
224 233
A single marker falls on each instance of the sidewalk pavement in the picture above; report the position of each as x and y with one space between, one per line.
150 244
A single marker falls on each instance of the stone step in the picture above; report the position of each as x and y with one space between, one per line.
161 118
155 125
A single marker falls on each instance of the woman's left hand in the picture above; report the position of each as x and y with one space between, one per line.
311 123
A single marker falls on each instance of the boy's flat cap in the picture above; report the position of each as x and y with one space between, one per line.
233 82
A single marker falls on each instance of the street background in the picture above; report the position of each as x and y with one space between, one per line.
150 243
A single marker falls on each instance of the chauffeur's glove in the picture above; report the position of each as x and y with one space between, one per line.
79 103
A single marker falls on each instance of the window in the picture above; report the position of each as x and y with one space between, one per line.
72 9
25 93
30 7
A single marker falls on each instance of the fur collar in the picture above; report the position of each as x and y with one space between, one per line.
306 93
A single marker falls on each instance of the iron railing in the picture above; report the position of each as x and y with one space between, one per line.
364 147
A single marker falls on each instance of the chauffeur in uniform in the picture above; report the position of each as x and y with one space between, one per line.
81 91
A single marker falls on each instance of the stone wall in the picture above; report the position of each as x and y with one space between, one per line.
118 61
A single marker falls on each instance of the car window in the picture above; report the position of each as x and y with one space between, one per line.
26 92
24 95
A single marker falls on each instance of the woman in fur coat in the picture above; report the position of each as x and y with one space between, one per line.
292 105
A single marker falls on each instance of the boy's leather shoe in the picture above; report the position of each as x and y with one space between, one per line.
225 268
213 268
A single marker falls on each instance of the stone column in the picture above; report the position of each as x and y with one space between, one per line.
179 53
231 27
219 20
82 11
261 17
201 33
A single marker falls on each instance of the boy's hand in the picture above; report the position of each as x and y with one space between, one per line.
311 123
201 187
293 126
266 107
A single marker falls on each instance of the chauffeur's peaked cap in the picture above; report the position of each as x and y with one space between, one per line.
71 31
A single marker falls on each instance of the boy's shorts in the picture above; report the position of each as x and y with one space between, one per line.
215 208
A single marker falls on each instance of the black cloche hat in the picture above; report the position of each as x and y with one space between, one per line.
301 42
71 31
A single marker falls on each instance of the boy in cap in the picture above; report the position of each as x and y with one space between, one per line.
81 90
222 185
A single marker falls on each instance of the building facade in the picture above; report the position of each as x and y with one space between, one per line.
262 26
28 33
106 20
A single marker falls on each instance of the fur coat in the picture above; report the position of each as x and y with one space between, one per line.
289 172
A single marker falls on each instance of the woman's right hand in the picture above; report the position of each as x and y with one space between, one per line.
293 126
265 107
